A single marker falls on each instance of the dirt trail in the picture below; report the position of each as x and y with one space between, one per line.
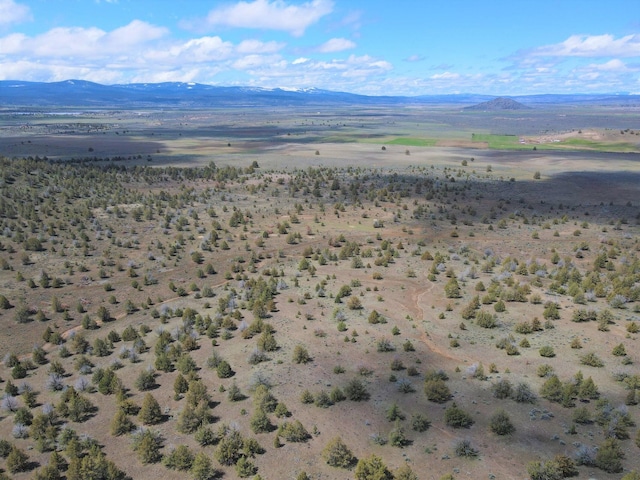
425 338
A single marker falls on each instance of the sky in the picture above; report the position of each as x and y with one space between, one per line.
371 47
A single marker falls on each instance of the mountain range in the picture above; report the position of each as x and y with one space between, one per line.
86 94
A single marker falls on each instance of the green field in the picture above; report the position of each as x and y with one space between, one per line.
512 142
413 142
583 144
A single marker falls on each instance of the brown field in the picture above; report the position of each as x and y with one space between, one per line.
125 234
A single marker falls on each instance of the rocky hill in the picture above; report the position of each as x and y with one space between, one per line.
500 103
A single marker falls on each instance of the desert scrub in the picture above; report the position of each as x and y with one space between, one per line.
356 391
301 355
463 448
337 454
547 352
420 423
522 393
592 360
293 432
437 390
456 417
485 319
619 350
500 423
384 345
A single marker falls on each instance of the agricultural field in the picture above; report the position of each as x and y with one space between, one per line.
371 292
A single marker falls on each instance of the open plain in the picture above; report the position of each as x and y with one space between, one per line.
455 293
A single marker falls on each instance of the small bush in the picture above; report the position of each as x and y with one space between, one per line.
609 456
384 345
464 448
456 417
523 394
619 350
592 360
420 423
437 390
301 355
356 391
293 432
337 454
485 319
545 370
502 389
547 351
500 423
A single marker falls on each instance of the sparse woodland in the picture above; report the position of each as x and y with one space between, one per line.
240 321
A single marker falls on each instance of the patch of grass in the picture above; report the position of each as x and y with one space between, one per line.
500 142
413 142
584 144
512 142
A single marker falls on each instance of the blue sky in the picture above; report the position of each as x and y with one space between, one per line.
374 47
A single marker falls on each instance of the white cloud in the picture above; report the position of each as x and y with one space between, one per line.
256 46
414 58
84 42
167 76
445 76
47 72
336 45
614 65
593 46
196 50
12 44
271 14
299 61
12 12
252 62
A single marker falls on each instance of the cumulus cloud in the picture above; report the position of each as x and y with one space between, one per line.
271 15
12 12
592 46
86 42
336 45
615 65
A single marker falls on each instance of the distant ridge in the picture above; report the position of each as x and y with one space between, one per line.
83 94
500 103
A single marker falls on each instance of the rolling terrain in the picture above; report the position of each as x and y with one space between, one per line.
354 288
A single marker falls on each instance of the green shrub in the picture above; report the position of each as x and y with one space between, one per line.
545 370
502 389
420 423
500 423
485 319
609 456
619 350
180 459
372 467
337 454
592 360
547 351
437 390
356 391
301 355
464 448
456 417
293 432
